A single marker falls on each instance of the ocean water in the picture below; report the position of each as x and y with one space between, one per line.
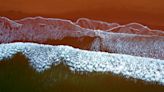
31 67
16 75
56 55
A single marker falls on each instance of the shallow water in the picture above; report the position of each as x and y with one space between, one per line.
17 76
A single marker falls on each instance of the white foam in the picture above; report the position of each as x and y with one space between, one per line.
42 57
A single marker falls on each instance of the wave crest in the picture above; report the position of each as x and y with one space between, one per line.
133 39
42 57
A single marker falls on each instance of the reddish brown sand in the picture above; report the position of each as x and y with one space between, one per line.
147 12
17 76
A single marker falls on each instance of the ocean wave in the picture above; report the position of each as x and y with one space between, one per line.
133 38
131 28
42 57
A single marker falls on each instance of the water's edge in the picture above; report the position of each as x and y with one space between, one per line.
42 57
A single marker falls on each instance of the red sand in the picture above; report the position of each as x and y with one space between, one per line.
147 12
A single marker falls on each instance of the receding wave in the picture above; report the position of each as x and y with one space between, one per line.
42 57
132 39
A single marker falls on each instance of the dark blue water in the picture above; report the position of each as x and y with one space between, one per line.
16 75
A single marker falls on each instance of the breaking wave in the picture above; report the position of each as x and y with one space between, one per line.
42 57
132 39
132 50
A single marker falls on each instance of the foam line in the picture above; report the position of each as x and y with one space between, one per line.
42 57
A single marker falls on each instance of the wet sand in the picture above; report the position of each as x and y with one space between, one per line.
16 75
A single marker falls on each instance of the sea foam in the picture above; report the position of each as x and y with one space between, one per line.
42 57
